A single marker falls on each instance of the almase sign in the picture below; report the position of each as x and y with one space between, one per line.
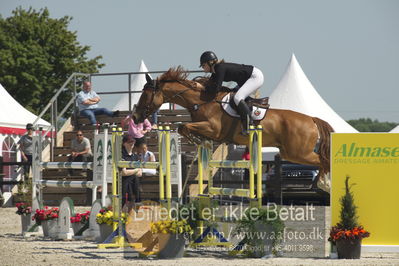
372 162
354 150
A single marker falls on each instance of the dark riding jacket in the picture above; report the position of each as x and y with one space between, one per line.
230 72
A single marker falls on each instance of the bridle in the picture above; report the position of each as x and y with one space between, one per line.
153 87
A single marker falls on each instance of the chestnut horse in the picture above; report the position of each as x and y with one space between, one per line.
296 135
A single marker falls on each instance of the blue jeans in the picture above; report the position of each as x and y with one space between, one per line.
91 114
154 117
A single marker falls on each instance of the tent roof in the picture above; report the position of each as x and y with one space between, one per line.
295 92
13 116
137 84
395 130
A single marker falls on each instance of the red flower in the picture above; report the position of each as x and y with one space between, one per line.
46 214
81 217
337 232
23 208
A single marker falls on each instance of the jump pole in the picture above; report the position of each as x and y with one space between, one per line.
118 238
254 165
37 166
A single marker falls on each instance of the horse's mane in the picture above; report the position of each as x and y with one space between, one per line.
174 74
179 74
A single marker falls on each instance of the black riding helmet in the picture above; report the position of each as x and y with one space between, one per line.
207 56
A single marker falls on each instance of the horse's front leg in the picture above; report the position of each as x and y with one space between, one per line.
197 131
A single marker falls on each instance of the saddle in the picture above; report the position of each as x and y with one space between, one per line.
251 102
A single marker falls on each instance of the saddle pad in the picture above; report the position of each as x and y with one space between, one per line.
257 112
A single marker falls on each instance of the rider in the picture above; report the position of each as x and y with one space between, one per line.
248 78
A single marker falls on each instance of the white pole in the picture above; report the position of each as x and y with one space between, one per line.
104 191
179 181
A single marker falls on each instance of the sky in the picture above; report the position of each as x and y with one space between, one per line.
349 49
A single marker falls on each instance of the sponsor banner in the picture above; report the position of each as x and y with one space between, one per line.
100 158
372 162
175 159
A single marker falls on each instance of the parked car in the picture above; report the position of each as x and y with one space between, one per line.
294 186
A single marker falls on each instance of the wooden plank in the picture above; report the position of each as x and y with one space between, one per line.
54 199
62 190
172 119
173 112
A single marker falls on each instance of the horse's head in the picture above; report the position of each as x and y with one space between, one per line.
150 100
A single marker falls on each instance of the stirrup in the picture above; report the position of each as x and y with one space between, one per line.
244 128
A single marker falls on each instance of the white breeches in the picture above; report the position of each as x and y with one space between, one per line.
250 86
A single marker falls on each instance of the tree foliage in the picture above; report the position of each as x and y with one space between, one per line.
348 212
38 54
368 125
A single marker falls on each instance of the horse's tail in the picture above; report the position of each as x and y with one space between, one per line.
325 130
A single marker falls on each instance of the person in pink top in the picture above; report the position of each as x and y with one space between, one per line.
137 131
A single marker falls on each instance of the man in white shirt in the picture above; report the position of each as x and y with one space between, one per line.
88 104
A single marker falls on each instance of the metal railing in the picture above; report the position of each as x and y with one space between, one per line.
52 106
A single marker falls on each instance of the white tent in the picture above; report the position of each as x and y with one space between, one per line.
13 116
13 120
395 130
295 92
136 84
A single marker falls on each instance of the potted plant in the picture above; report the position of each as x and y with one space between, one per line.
260 230
171 237
48 219
79 221
25 212
105 219
24 192
347 234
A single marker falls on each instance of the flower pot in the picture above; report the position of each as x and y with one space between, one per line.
171 246
105 231
50 228
76 227
25 222
262 246
349 248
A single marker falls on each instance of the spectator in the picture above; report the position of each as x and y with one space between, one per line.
130 177
26 148
88 104
137 131
145 156
81 150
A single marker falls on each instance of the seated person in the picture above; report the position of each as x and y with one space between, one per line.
81 150
145 155
88 104
130 177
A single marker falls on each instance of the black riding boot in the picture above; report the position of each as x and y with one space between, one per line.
245 114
